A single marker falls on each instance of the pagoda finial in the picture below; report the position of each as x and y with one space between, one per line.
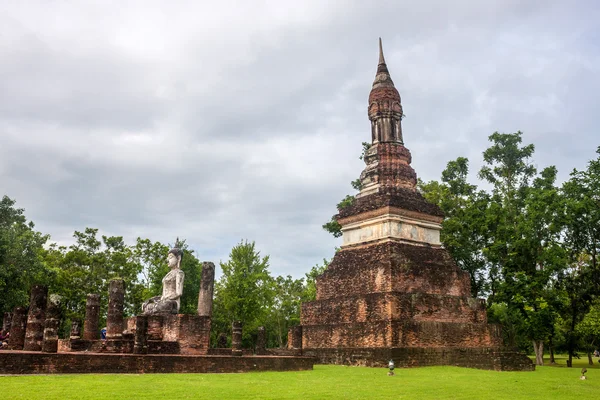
381 58
383 75
385 110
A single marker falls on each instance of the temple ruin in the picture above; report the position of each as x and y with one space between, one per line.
155 342
393 291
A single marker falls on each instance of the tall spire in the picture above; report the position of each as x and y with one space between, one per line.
381 59
385 109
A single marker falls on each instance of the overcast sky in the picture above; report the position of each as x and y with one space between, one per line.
222 121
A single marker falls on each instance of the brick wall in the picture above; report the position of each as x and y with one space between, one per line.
20 362
393 306
391 266
482 358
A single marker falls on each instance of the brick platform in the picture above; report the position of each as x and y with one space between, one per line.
405 357
25 362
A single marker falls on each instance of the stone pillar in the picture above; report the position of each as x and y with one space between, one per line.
295 337
7 321
222 341
52 324
207 285
116 300
236 338
50 344
92 315
140 345
17 329
75 329
261 341
34 333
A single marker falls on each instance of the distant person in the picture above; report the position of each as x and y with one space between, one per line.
596 353
103 333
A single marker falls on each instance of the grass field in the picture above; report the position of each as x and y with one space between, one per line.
325 382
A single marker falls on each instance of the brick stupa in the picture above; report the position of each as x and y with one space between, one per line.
392 291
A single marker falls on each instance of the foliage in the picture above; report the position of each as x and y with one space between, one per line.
588 330
285 311
87 266
21 264
245 291
464 232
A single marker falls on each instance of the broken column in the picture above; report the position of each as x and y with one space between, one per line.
222 340
34 332
17 328
6 321
92 315
207 285
295 337
52 324
236 338
140 345
261 341
114 318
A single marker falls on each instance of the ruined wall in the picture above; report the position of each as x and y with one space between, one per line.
82 363
482 358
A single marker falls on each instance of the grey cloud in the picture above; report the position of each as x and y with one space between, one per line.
223 123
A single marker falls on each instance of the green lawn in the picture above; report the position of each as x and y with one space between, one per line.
325 382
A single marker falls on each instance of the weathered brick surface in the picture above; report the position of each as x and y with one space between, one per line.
405 198
261 341
401 334
20 362
141 335
50 343
174 333
91 330
17 329
116 301
482 358
34 333
207 285
236 338
394 306
295 337
392 266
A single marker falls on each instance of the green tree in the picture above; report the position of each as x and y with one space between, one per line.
589 330
464 230
21 256
285 309
87 267
581 282
525 228
245 292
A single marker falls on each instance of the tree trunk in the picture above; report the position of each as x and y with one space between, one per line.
551 348
538 348
590 360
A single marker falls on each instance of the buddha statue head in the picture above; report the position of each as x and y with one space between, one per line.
174 258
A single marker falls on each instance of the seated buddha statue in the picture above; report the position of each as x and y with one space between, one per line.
169 301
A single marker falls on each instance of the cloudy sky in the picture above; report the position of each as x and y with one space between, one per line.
222 121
